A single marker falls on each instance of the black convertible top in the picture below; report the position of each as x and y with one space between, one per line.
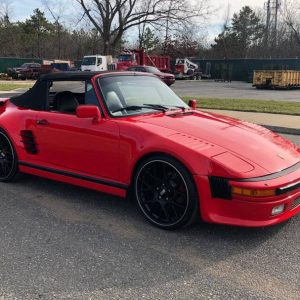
36 97
77 75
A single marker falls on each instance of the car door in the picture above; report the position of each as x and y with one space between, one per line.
78 144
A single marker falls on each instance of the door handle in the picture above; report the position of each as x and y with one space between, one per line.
42 122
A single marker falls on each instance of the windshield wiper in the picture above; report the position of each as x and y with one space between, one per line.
158 106
138 107
166 106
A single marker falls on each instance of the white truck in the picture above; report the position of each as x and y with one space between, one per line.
96 63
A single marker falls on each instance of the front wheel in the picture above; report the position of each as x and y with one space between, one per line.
8 159
165 192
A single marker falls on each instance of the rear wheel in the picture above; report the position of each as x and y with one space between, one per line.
165 192
8 159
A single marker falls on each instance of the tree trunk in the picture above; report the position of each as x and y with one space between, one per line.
59 41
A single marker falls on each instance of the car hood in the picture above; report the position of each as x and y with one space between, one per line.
238 139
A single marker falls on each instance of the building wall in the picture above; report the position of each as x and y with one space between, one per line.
12 62
242 69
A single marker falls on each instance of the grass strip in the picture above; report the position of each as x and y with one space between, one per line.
13 86
250 105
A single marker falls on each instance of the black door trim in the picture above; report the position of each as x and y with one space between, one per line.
74 175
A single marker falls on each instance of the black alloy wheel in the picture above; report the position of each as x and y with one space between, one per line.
165 192
8 159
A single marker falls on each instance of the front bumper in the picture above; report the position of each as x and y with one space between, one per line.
169 81
248 211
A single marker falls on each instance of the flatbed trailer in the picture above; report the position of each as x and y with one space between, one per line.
196 75
276 79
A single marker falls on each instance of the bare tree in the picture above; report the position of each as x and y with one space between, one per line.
292 18
142 26
6 10
184 43
113 17
56 9
225 30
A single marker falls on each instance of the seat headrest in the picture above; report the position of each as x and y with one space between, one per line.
113 101
66 102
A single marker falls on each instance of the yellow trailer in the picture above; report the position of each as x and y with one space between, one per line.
280 79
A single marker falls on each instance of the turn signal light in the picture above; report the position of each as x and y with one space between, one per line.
252 193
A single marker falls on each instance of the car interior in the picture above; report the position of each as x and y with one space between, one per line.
65 102
65 96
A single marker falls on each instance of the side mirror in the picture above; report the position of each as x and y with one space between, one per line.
193 103
88 111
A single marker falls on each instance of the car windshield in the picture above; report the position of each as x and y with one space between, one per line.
152 70
89 61
26 65
132 95
124 57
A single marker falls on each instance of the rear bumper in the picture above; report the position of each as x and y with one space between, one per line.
247 211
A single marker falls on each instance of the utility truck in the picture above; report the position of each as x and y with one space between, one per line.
125 60
139 57
96 63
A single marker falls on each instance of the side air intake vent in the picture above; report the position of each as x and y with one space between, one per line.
296 203
29 141
220 188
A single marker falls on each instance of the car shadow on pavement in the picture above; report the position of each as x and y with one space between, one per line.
72 203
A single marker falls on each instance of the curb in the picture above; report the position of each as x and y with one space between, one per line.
8 92
19 90
284 130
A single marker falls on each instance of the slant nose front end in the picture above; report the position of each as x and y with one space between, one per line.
253 202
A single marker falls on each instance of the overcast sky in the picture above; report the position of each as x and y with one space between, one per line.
23 9
217 19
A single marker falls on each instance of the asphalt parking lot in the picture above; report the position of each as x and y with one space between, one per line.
59 241
231 90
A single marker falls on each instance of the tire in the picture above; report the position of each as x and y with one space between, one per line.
190 72
8 159
165 192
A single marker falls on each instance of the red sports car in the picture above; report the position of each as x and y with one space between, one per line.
122 131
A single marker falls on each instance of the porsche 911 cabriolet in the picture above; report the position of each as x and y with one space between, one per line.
117 132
